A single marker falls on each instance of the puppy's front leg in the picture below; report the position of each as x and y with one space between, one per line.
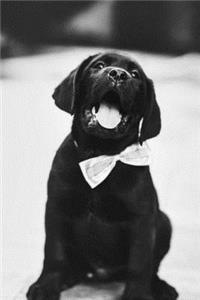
58 268
142 236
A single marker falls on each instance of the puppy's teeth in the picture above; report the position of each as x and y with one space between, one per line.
125 118
93 110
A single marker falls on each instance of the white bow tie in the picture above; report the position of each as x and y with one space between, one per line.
96 169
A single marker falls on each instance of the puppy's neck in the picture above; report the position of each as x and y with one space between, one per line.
89 146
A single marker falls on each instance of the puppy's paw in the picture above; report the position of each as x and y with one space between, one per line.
131 293
137 298
38 291
46 288
163 291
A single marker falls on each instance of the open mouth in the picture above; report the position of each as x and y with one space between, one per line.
107 114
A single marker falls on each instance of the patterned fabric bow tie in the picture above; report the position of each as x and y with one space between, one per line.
96 169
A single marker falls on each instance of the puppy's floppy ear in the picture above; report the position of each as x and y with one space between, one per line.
66 92
151 123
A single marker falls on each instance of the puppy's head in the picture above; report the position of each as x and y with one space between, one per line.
111 98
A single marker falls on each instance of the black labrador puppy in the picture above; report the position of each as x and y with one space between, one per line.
103 220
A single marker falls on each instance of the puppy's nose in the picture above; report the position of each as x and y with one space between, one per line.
118 75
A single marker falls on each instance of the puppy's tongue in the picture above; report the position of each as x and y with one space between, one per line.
108 116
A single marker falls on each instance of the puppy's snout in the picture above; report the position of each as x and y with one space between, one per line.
117 75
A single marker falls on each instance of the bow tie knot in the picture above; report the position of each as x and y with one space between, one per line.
96 169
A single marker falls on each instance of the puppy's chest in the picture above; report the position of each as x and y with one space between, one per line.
111 200
108 208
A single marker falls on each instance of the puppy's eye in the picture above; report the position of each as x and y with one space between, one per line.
99 65
135 74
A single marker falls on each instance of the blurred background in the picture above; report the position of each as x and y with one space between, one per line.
156 26
41 42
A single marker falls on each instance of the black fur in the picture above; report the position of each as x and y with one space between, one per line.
115 231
